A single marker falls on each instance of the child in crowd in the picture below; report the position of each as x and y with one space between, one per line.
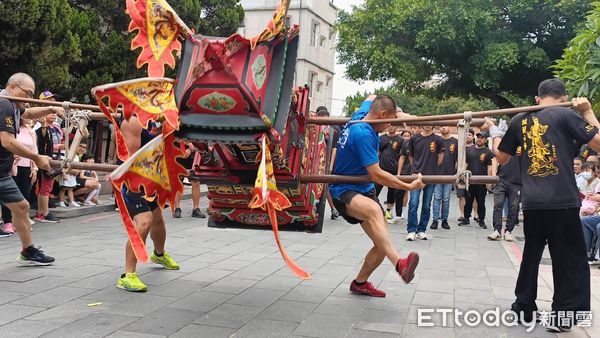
92 197
68 181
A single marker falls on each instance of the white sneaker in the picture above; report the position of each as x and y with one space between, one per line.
89 204
31 222
74 204
494 236
62 204
422 235
395 220
410 237
508 237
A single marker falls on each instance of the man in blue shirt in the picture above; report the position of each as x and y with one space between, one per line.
357 154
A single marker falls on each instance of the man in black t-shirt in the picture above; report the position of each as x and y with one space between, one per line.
20 85
441 194
426 153
550 198
479 162
389 153
509 188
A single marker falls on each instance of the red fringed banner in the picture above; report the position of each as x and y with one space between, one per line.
158 28
275 26
150 99
266 197
154 171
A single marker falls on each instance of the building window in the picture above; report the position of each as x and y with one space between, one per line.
312 79
314 33
328 81
322 41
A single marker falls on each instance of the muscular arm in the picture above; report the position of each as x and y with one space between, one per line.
131 132
381 177
35 113
9 142
595 143
501 156
332 161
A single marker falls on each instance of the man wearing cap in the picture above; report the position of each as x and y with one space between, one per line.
479 162
20 85
47 133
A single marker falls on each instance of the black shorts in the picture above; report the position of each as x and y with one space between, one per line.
342 202
9 191
80 183
460 193
137 204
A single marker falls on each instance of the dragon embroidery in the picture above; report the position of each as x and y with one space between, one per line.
541 154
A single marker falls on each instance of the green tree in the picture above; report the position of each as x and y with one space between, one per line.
36 41
580 65
418 104
481 47
70 46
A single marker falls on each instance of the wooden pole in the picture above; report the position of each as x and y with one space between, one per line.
331 179
447 117
441 179
85 166
340 121
94 116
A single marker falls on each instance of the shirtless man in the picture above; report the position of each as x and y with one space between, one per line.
147 217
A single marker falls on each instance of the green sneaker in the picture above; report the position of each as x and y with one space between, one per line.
165 260
131 282
388 215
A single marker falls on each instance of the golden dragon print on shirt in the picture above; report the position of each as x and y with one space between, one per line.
542 155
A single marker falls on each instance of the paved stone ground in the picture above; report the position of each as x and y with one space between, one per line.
233 282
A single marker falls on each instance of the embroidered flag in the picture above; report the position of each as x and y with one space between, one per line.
153 171
266 197
159 28
150 99
275 26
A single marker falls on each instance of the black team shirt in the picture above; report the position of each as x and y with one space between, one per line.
546 139
448 167
478 160
9 116
425 150
406 167
389 152
511 171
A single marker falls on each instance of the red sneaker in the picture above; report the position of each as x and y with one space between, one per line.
406 267
366 289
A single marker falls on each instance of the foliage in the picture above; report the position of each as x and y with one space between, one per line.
480 47
580 65
418 104
70 46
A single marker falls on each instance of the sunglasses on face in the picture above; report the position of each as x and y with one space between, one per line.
29 93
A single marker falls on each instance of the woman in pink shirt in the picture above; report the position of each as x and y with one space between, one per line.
24 170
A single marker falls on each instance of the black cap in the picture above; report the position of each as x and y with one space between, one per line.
483 134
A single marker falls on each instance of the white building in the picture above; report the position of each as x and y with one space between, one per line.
316 53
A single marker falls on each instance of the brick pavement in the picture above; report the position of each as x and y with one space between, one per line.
234 283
